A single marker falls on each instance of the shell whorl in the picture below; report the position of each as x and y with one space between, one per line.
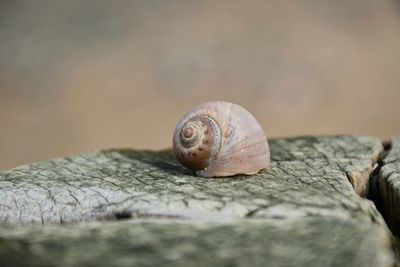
197 141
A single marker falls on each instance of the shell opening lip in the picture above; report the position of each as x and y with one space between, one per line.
217 144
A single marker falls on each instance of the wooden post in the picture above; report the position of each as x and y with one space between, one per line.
142 208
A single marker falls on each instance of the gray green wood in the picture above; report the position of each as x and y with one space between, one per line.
306 210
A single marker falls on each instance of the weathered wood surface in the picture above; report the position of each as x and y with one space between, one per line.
389 186
304 211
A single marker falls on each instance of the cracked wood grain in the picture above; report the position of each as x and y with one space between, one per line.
389 186
308 176
309 202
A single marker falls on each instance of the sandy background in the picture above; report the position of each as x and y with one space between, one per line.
77 76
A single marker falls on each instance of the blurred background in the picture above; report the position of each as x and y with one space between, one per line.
78 76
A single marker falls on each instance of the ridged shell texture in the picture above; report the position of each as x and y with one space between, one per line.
221 139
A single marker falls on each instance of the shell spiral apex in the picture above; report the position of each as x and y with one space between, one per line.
220 139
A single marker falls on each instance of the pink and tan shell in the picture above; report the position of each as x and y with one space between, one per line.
221 139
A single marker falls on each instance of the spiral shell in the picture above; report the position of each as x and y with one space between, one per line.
220 139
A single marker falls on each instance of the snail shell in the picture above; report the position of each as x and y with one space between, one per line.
220 139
